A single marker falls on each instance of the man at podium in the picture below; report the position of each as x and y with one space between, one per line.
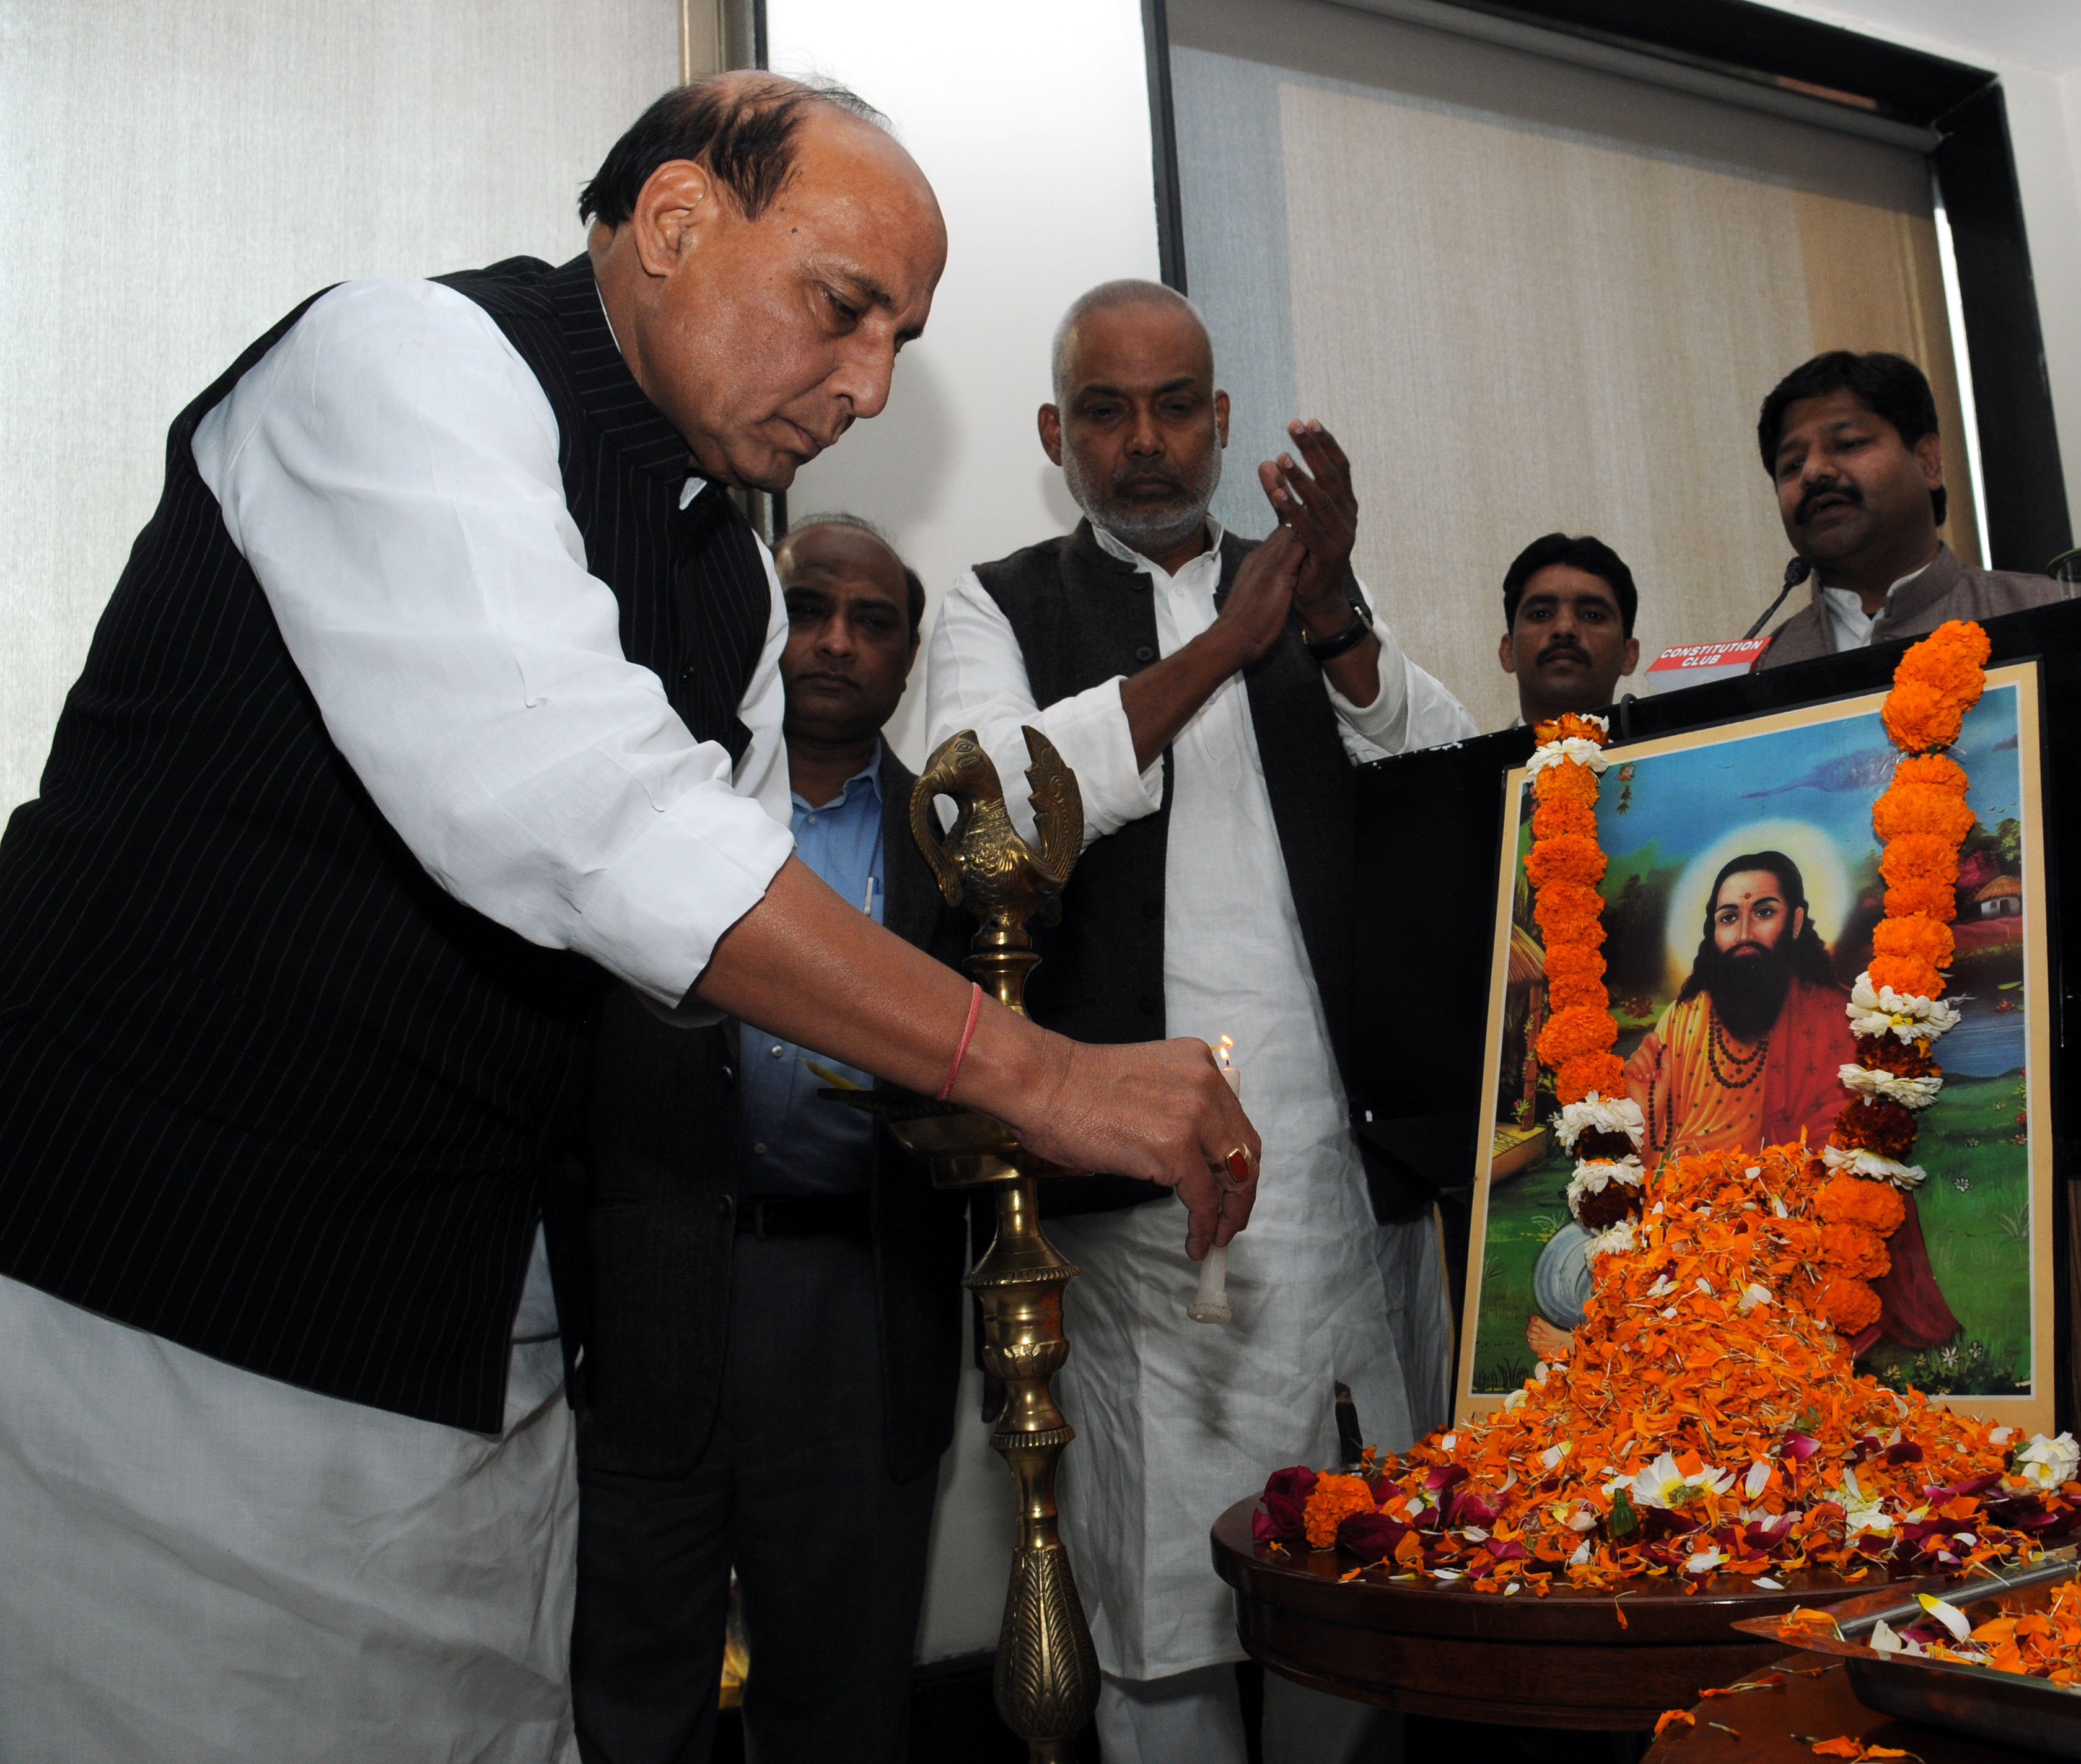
1851 441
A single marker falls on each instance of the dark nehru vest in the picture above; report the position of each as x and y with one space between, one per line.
1082 617
266 1090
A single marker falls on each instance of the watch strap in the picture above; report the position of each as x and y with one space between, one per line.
1342 642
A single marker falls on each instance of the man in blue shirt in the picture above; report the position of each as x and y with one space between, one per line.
769 1380
852 636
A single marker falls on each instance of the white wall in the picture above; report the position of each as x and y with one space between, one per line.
2035 46
1032 123
184 173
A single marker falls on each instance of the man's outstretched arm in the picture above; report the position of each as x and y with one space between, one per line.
810 968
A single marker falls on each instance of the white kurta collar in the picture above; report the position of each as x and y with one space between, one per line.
1126 553
1850 624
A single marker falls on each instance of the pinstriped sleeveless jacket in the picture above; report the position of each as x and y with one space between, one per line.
265 1089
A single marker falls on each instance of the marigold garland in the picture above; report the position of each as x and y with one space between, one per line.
1919 857
1921 819
1929 896
1572 970
1853 1200
1552 819
1856 1251
1569 783
1591 1074
1915 937
1578 1030
1849 1304
1910 976
1569 913
1564 866
1939 771
1923 808
1567 857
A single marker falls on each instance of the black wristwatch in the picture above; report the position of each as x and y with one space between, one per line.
1344 641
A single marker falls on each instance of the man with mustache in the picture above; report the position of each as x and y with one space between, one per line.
1850 443
1568 608
1211 697
770 1300
439 694
1749 1052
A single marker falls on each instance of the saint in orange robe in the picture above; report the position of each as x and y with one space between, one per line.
1703 1092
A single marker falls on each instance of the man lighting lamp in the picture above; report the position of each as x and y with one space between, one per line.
1568 609
1211 696
1850 443
439 691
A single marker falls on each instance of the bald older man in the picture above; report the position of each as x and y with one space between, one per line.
1211 694
440 692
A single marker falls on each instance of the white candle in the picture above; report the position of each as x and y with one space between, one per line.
1210 1304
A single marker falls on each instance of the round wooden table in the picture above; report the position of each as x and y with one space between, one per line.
1564 1660
1815 1701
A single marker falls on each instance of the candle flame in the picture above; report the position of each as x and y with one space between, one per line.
1222 1049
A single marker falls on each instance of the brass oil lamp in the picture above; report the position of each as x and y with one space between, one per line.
1047 1675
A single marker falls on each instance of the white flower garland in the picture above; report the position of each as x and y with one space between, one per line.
1877 1081
1882 1011
1885 1169
1619 1238
1594 1175
1583 751
1599 1114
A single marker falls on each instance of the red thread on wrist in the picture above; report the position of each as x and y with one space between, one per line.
968 1035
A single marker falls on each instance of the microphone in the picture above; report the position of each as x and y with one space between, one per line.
1795 573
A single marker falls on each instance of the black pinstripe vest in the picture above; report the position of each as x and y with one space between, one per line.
265 1089
1082 617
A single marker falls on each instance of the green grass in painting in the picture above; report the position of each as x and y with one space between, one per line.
1523 1214
1975 1212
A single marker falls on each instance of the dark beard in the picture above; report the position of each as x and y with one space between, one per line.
1747 991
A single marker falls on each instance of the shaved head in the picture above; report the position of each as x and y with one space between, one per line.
1138 424
1105 297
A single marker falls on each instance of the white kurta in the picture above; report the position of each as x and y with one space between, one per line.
389 470
204 1566
199 1565
1175 1419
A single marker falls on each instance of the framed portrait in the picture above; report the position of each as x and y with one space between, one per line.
1733 1029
